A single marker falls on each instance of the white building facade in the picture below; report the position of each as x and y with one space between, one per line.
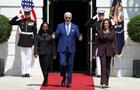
9 50
11 54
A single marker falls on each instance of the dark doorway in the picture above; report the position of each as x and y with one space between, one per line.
81 12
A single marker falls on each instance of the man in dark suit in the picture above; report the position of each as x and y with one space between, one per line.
67 33
26 40
95 23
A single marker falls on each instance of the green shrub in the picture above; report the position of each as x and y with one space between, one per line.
133 28
5 29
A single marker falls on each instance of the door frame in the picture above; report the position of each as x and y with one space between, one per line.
90 41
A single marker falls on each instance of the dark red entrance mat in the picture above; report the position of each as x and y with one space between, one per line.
80 82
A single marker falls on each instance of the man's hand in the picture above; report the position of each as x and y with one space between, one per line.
94 17
117 55
19 16
93 57
81 37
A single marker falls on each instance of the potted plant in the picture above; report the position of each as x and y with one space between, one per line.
5 32
133 28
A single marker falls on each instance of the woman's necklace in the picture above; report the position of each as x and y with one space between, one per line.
106 31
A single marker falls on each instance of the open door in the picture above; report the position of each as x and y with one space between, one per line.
80 10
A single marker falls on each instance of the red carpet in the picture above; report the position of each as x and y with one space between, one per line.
80 82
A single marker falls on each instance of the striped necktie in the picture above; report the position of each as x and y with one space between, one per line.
67 29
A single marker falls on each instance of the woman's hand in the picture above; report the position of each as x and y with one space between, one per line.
54 57
117 55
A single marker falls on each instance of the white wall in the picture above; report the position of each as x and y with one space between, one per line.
18 2
9 50
131 50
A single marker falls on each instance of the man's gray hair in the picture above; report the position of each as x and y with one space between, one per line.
69 13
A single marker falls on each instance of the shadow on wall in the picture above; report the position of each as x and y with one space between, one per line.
4 52
123 68
133 8
14 61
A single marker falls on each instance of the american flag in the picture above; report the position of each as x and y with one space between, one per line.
28 4
117 17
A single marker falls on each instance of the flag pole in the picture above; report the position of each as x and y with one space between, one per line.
90 42
113 68
117 17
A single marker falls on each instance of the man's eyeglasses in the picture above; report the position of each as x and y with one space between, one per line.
68 17
101 14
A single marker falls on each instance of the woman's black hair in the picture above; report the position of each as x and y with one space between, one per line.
41 31
110 24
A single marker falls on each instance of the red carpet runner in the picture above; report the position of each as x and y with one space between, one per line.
80 82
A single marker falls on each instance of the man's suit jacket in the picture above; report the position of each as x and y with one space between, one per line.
106 46
67 41
26 26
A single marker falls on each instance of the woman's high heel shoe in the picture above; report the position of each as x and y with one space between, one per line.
103 86
106 86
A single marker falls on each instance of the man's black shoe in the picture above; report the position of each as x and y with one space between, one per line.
98 76
45 84
27 75
63 83
68 86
